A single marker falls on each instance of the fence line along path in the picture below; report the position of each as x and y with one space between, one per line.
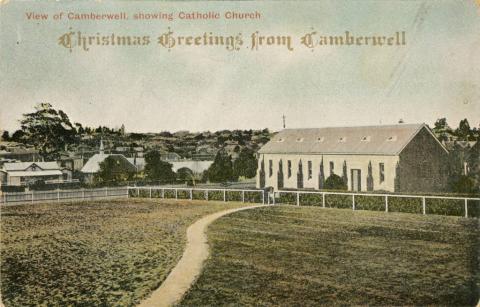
190 265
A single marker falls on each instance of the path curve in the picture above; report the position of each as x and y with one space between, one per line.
190 265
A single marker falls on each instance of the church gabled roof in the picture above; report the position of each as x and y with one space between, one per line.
372 140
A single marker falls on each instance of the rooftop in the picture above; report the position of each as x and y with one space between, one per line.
379 140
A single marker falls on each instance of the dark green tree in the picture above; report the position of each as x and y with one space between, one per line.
18 136
115 169
158 170
441 129
48 130
463 130
246 164
335 182
5 136
186 175
221 169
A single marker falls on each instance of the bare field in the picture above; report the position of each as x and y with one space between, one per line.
304 256
95 253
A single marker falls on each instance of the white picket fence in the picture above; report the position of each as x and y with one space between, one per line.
160 192
58 195
385 198
243 195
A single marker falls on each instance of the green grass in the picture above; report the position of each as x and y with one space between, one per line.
98 253
306 256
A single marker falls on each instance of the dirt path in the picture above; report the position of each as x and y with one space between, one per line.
190 265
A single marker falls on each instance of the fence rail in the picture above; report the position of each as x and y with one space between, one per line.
243 195
424 204
58 195
421 204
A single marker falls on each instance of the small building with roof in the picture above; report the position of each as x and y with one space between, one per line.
27 173
394 158
92 166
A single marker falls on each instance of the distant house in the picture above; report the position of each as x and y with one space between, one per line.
400 158
27 173
92 166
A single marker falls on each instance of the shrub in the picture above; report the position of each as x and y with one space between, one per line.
335 182
373 203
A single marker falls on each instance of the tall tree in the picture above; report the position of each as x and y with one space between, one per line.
156 169
441 129
463 130
221 169
246 164
48 130
5 136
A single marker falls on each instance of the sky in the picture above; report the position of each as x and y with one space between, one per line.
150 89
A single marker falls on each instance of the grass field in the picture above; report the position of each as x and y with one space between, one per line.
291 256
99 253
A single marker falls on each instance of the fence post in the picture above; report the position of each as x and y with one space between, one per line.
353 202
32 197
224 195
106 191
138 192
323 199
466 207
298 198
191 194
5 197
163 193
274 198
206 195
386 203
176 193
58 195
243 196
423 205
263 197
83 194
150 192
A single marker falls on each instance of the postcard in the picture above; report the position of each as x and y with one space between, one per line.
239 153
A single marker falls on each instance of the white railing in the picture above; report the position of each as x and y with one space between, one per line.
385 197
243 195
58 195
160 192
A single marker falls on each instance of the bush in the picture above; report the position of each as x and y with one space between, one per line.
338 201
372 203
335 182
311 199
405 204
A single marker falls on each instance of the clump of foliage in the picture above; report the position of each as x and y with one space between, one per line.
335 182
49 130
115 169
221 169
158 170
246 164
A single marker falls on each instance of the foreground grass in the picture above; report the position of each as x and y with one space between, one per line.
292 256
99 253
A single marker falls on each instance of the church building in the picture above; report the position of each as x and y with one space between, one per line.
393 158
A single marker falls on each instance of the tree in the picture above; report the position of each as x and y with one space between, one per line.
186 175
18 136
335 182
441 129
115 169
463 130
246 164
6 136
156 169
48 130
221 169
